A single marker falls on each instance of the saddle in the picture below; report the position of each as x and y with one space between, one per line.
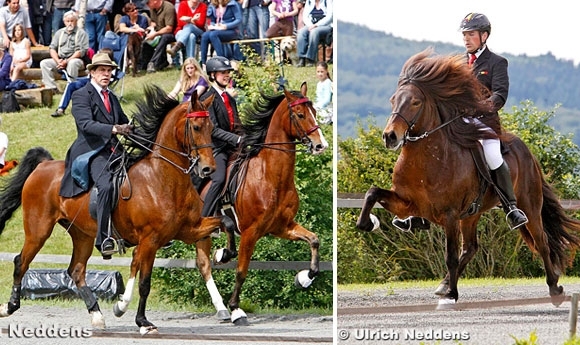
485 179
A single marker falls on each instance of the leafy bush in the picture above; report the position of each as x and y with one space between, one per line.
391 254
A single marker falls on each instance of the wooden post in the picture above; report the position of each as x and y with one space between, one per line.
573 314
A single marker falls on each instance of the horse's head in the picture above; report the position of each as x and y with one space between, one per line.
303 121
195 128
407 103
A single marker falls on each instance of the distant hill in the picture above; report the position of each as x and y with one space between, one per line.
369 63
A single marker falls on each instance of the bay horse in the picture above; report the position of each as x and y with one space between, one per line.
435 176
158 202
267 200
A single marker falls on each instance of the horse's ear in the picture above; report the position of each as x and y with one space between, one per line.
193 99
304 89
208 101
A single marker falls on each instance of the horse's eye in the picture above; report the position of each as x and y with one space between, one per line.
196 127
416 103
300 115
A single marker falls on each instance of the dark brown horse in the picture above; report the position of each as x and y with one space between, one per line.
158 202
267 200
435 175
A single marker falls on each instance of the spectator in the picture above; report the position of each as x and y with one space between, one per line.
46 28
159 35
36 13
317 17
95 19
323 104
191 16
298 22
191 80
284 12
3 147
11 15
69 45
5 65
225 19
59 8
258 23
20 51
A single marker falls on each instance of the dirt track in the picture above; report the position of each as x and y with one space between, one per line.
481 326
175 328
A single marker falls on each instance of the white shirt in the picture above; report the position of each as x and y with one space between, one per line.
3 144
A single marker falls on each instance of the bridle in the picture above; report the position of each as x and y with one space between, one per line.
302 133
193 158
410 124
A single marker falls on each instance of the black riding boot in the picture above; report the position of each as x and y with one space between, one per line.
411 223
503 181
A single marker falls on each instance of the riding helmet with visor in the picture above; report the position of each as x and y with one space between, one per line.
475 22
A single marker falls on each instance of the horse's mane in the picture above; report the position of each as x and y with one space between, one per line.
256 122
147 119
450 89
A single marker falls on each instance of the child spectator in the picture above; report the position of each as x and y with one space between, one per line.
323 104
191 80
20 51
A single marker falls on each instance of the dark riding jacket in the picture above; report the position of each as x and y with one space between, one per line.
223 138
94 134
492 71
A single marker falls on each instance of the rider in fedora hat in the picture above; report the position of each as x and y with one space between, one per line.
99 118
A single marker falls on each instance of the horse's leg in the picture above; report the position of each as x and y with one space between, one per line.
202 260
82 250
122 305
247 246
145 255
37 230
294 233
388 200
470 247
452 262
224 255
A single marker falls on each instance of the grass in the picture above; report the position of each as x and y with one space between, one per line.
35 127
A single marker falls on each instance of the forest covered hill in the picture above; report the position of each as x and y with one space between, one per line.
369 63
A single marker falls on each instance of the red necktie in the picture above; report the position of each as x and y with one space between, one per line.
106 100
229 108
472 58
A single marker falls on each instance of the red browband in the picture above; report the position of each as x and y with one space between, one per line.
198 114
300 101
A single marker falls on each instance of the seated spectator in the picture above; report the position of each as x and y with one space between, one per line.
225 19
96 19
323 103
5 65
132 22
191 16
284 12
191 80
20 51
159 35
67 49
11 15
77 84
317 17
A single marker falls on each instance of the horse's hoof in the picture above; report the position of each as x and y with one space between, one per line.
446 304
239 317
219 255
441 289
375 221
4 310
302 279
145 330
559 298
120 308
97 320
223 315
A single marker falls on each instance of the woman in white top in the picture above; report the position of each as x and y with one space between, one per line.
20 51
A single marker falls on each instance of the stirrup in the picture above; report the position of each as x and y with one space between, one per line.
402 224
411 223
519 218
107 252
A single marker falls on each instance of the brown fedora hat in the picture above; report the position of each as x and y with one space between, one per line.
101 59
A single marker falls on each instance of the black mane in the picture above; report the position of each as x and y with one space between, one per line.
151 111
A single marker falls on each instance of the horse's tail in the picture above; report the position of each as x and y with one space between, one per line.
11 191
561 230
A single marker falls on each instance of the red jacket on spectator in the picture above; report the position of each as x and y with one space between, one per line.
185 10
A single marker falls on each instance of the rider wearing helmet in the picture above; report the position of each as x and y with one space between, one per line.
492 72
226 135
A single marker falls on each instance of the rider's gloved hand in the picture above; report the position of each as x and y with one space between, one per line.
124 129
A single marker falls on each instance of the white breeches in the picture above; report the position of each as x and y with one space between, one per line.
491 147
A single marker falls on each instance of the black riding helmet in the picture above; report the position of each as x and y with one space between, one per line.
475 22
218 64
